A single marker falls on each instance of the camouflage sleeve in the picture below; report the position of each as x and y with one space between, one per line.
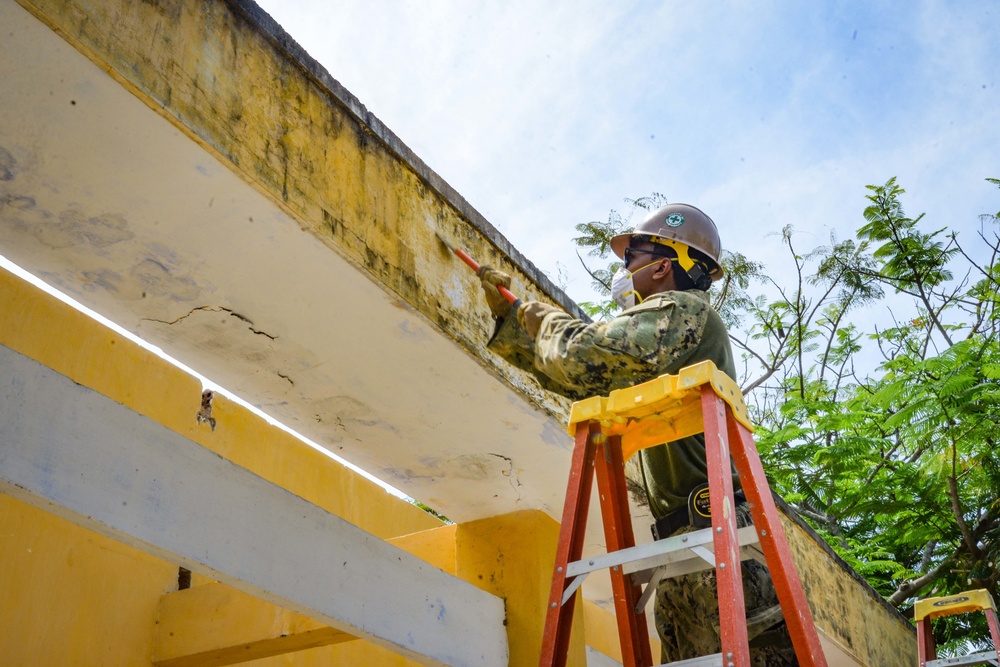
577 359
580 357
511 342
659 336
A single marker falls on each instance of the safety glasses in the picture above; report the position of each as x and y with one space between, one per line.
630 253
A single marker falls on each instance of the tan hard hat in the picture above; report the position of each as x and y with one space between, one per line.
678 225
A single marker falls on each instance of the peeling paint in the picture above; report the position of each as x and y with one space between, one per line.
411 330
552 434
19 202
155 278
204 415
104 279
72 227
8 165
510 473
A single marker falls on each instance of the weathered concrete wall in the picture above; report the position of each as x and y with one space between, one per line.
70 593
849 613
228 76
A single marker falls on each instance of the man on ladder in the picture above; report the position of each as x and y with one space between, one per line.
666 324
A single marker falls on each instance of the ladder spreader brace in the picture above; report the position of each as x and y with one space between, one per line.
608 430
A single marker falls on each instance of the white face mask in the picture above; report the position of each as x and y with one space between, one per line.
622 288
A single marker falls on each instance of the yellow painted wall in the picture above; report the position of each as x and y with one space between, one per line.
72 596
842 606
511 556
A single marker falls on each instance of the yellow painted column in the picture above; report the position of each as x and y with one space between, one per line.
512 556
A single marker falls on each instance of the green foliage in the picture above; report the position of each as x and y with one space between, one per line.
882 435
892 459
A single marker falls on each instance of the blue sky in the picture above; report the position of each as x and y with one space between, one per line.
764 114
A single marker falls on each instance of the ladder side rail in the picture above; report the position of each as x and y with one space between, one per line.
774 544
994 625
926 649
728 573
559 617
632 630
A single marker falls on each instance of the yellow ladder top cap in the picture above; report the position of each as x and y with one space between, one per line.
960 603
667 399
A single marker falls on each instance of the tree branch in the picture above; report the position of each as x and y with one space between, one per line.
908 589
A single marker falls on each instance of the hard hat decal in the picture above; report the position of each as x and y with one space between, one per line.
674 220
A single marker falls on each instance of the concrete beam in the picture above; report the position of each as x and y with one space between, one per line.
68 450
215 624
338 312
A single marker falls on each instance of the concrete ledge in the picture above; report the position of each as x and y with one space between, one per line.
853 619
271 30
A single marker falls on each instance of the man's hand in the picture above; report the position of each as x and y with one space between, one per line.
490 278
531 314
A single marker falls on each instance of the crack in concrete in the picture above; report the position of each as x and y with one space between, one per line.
509 473
217 309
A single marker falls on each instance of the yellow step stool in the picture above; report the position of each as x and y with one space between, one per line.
924 611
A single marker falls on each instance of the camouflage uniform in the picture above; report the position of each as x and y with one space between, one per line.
666 332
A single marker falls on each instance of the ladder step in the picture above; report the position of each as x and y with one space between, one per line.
675 552
714 660
984 658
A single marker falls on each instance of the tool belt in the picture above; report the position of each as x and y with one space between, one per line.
698 513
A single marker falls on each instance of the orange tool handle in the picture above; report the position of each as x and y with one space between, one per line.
474 265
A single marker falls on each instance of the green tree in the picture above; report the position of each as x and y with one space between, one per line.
881 435
893 460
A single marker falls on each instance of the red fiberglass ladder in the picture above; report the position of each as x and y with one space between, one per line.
608 431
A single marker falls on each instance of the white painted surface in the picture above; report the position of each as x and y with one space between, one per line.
66 449
597 659
837 655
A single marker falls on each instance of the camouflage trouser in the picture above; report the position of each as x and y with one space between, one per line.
687 614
